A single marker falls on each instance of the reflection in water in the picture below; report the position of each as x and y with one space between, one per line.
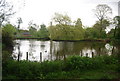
51 45
35 50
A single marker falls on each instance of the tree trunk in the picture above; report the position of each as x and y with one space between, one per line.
115 32
100 27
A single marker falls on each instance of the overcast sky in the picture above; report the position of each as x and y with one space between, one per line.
42 11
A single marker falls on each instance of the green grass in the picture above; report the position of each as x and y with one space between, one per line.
74 67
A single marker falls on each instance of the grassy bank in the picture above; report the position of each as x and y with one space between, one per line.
74 67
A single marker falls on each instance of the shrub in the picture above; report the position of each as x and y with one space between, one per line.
78 63
51 66
37 70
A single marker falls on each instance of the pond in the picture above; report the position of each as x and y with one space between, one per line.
36 50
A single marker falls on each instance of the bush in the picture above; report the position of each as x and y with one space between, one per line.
51 66
86 63
37 70
79 63
8 32
26 69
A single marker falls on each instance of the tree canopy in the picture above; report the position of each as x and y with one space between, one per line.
61 19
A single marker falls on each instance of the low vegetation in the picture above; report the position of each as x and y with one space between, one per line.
74 67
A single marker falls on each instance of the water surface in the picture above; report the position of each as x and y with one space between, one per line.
52 50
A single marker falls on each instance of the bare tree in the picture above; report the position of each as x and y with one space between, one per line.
19 21
6 10
31 24
102 12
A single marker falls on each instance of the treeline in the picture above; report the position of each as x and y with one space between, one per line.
65 31
63 28
79 32
76 32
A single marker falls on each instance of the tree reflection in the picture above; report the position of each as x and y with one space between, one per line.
51 47
61 50
32 46
89 49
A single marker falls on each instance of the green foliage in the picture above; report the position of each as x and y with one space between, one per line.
33 28
103 34
48 66
8 30
117 27
115 33
91 33
85 63
30 70
72 67
97 31
102 12
62 19
63 31
66 32
8 33
110 34
6 53
22 69
100 29
78 23
33 31
79 63
43 32
105 23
